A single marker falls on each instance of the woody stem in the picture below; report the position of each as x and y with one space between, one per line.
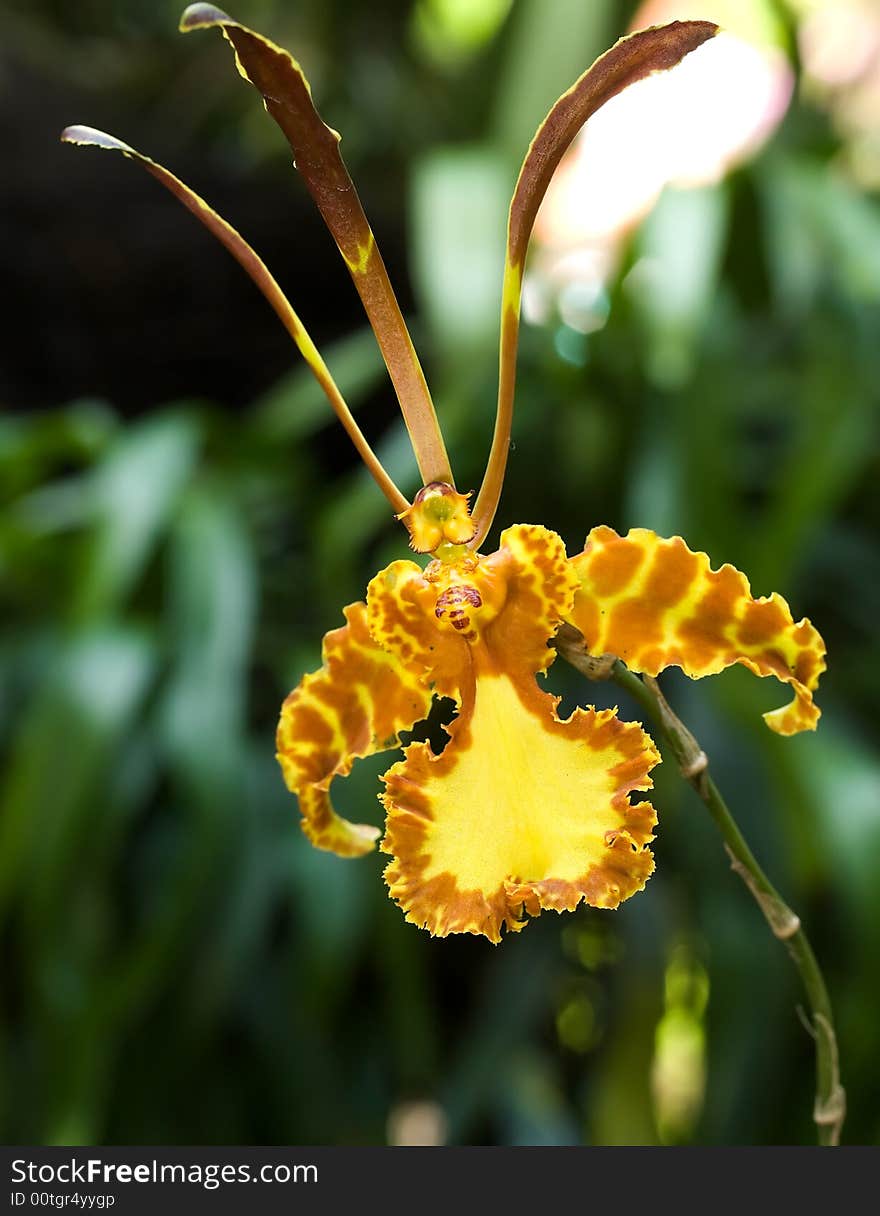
829 1109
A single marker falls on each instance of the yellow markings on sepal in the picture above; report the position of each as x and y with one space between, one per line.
540 588
511 290
287 97
360 264
655 604
511 601
354 706
401 615
262 278
629 60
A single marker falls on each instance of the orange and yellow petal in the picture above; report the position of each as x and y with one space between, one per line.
521 812
402 619
455 615
654 603
355 705
540 588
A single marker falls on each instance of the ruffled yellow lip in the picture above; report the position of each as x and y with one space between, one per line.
521 812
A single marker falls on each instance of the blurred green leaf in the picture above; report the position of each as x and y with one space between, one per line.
548 51
449 31
294 408
132 492
819 227
460 198
66 737
675 277
211 610
837 437
30 446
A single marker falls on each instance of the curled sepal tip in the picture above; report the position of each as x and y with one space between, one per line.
202 16
354 706
91 137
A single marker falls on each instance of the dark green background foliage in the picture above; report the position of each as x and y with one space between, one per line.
183 521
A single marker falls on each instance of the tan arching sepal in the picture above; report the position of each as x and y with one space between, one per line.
631 59
354 706
257 270
654 603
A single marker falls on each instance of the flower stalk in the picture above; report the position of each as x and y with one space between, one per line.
829 1109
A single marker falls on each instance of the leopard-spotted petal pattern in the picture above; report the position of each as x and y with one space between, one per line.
655 603
512 600
355 705
401 603
540 586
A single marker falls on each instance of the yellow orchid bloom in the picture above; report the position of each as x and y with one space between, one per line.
522 810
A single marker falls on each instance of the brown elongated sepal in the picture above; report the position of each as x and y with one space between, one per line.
287 97
629 60
259 273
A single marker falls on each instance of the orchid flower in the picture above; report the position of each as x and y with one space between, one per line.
522 810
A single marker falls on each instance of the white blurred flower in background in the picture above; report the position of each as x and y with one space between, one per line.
685 128
839 45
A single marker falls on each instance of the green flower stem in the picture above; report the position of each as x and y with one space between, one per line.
830 1106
